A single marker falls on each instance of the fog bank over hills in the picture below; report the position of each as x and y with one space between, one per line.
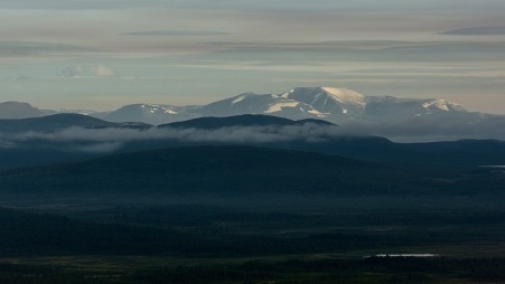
73 137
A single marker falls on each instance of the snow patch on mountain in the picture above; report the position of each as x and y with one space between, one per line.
238 99
314 95
157 109
278 107
444 105
316 113
149 113
345 96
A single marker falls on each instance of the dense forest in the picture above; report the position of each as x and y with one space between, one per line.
239 214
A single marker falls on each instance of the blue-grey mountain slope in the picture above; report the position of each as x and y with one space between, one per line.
149 113
17 110
57 122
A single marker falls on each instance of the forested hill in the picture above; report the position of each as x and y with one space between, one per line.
204 169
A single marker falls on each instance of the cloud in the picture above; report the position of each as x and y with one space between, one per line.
431 129
7 145
343 82
76 5
176 33
306 132
477 31
102 71
99 148
113 139
86 70
329 5
259 5
22 48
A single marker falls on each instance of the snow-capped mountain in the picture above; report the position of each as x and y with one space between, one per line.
390 108
297 103
250 103
331 104
149 113
401 119
338 106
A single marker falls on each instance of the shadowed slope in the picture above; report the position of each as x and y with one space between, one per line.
203 170
242 121
58 122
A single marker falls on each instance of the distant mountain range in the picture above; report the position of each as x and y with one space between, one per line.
402 119
330 104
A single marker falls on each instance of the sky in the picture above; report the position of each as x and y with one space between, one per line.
100 55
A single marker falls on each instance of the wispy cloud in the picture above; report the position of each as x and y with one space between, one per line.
86 70
426 130
108 140
306 132
24 48
477 31
177 33
99 147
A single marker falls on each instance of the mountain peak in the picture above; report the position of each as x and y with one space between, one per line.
313 95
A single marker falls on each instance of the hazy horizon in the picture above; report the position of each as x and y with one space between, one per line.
101 55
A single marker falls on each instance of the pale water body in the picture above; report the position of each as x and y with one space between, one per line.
494 166
404 255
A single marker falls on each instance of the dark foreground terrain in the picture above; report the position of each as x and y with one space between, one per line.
235 214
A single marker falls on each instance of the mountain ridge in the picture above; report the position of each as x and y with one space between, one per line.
67 137
336 105
400 119
55 122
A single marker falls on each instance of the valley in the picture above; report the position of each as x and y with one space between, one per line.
199 201
252 142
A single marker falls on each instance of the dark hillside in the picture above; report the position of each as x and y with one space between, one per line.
52 123
207 169
241 121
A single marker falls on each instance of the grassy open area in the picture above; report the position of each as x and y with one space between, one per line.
279 269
